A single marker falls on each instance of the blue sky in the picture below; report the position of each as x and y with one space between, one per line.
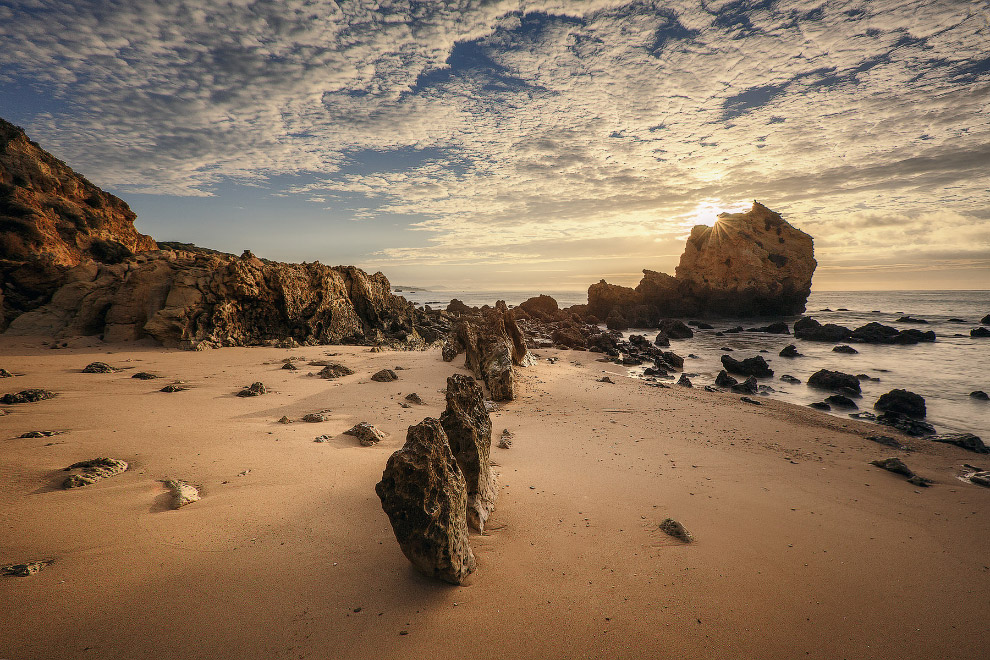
523 144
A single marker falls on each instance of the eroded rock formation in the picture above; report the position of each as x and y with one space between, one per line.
492 344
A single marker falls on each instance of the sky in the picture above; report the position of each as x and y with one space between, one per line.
523 145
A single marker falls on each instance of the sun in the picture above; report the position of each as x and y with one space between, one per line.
707 211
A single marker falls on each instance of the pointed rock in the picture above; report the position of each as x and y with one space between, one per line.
469 432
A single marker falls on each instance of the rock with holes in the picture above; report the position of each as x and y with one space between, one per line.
182 493
366 434
672 528
91 471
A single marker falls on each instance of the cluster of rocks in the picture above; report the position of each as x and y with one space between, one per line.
441 483
492 345
809 329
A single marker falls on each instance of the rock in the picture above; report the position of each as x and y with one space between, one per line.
979 395
877 333
99 368
541 307
787 378
902 402
985 320
981 478
366 434
775 328
504 442
672 528
789 351
334 370
910 319
27 396
385 376
967 441
25 570
424 495
723 379
752 366
843 348
492 345
182 493
284 419
39 434
290 366
606 379
897 466
457 307
905 424
256 389
315 418
414 398
979 332
840 401
469 432
5 374
145 375
675 329
820 405
886 440
833 380
92 471
749 386
746 399
684 381
868 416
809 329
322 438
173 388
662 340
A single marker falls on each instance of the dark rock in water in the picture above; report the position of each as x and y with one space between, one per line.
967 441
414 398
746 399
27 396
787 378
833 380
469 432
256 389
173 388
886 440
314 418
726 349
979 395
903 402
366 434
684 381
25 570
866 415
734 331
985 320
334 370
704 326
290 366
906 425
675 329
877 333
809 329
749 386
819 405
425 497
897 466
751 366
145 375
840 401
662 340
92 471
723 379
979 332
492 344
541 307
672 528
910 319
776 328
956 320
99 368
385 376
789 351
669 359
843 348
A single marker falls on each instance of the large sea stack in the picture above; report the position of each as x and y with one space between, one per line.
747 264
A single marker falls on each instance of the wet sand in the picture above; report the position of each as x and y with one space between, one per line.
802 549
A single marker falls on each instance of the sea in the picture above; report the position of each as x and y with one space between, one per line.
943 372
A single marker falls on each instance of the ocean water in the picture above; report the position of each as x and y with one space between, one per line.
944 372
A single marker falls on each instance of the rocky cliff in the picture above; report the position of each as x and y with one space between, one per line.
747 264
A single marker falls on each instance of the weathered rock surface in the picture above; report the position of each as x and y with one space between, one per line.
897 466
469 432
182 493
314 418
671 527
492 344
425 497
334 370
25 570
748 264
967 441
385 376
834 380
367 434
844 348
751 366
173 387
723 379
979 332
145 375
27 396
99 368
92 471
789 351
809 329
748 386
902 402
255 389
979 395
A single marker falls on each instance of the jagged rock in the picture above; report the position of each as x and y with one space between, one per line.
905 424
840 401
789 351
787 378
39 434
902 402
985 320
366 434
425 497
751 366
684 381
809 329
877 333
414 398
256 389
92 471
967 441
385 376
5 374
749 386
723 379
834 380
315 418
182 493
172 387
843 348
457 307
99 368
290 366
662 340
672 528
284 419
145 375
492 345
27 396
469 432
606 379
675 329
979 332
25 570
897 466
979 395
334 370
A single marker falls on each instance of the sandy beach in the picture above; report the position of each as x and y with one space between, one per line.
802 549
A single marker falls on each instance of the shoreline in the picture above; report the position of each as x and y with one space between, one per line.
802 547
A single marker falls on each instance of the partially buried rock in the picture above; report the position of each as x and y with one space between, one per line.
425 497
844 348
5 374
173 388
284 419
606 379
290 366
39 434
385 376
671 527
469 431
182 493
684 381
92 471
334 370
746 399
979 395
414 398
787 378
902 402
505 440
981 478
27 396
820 405
145 375
99 368
366 434
886 440
897 466
25 570
751 366
492 344
834 380
905 424
675 329
967 441
256 389
979 332
314 418
840 401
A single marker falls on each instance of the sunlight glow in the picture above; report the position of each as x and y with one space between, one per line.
706 212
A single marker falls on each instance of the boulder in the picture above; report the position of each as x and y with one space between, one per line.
967 441
92 471
902 402
469 431
877 333
775 328
385 376
424 495
843 348
182 493
979 332
723 379
366 434
334 370
314 418
27 396
540 307
834 380
897 466
675 329
662 340
905 424
672 528
457 307
985 320
412 397
255 389
492 345
145 375
751 366
979 395
789 351
99 368
840 401
809 329
749 386
684 381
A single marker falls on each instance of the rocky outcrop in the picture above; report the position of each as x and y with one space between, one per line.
469 432
492 344
901 402
747 264
425 497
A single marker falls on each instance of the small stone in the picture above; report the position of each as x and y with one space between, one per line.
92 471
787 378
173 388
256 389
5 374
334 370
414 398
606 379
25 570
314 418
366 434
385 376
843 348
27 396
99 368
145 375
284 420
182 493
290 366
671 527
322 438
39 434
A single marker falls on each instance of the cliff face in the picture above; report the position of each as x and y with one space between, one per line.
748 264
